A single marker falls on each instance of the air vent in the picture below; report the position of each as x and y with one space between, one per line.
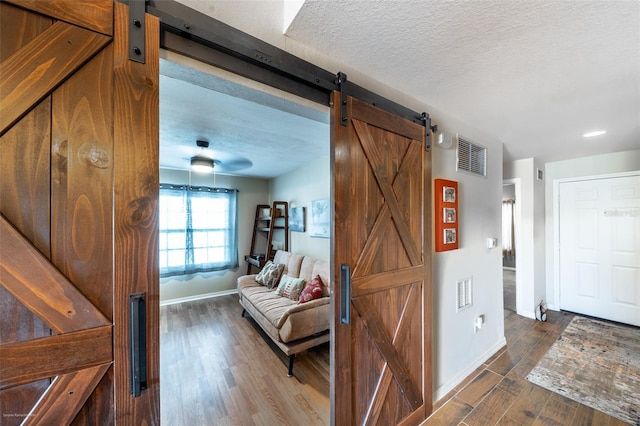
464 290
472 157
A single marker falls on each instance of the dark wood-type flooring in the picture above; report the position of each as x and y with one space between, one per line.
217 369
498 394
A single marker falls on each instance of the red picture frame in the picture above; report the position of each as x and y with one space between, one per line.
446 214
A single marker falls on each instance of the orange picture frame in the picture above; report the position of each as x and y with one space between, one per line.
446 214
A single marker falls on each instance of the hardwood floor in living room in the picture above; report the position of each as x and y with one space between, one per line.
217 368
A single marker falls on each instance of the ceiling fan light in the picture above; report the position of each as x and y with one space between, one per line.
201 164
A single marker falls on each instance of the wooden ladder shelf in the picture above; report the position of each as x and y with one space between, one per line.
269 220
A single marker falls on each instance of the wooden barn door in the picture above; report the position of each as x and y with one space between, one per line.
78 227
382 235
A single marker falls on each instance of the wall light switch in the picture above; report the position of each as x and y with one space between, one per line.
492 242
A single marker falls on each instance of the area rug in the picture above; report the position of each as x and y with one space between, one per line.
597 364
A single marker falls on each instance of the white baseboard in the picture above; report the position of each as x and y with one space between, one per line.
527 314
197 297
448 387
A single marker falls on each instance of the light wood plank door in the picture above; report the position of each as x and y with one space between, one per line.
78 227
382 357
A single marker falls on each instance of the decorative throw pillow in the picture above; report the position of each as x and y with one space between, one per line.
270 274
290 287
313 290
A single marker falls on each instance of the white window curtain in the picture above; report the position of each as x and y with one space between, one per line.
198 229
508 227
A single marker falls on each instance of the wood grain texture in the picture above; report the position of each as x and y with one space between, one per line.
427 286
24 175
513 400
67 393
384 181
386 280
369 113
36 359
24 163
29 194
24 186
340 370
82 151
36 69
99 407
19 27
90 14
401 374
136 188
379 214
41 287
218 368
386 376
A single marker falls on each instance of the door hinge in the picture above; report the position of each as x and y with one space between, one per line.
341 81
137 9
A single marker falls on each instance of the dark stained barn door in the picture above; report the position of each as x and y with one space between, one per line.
382 357
78 227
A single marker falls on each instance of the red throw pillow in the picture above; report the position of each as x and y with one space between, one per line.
313 290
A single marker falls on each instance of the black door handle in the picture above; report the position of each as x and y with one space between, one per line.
137 343
345 294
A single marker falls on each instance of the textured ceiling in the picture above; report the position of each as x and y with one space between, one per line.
250 132
535 75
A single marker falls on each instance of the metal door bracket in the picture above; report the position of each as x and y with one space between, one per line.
427 130
137 9
341 82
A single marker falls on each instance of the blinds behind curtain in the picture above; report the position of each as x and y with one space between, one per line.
198 229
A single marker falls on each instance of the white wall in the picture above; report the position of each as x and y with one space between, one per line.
457 350
251 192
300 187
587 166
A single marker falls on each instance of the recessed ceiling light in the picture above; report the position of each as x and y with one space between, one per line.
595 133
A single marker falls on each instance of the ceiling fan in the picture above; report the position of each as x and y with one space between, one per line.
205 161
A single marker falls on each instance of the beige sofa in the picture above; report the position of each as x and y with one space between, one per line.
293 327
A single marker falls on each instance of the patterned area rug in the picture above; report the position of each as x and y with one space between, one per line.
597 364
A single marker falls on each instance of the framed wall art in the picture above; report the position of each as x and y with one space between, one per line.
296 219
446 214
320 219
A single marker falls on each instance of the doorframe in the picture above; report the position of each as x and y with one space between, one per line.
203 38
556 224
517 231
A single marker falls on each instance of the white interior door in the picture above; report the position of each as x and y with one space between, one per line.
600 248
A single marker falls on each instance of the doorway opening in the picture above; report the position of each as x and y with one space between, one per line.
284 144
508 246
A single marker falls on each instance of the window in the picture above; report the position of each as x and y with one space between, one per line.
198 231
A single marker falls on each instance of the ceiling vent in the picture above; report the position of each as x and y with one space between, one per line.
471 157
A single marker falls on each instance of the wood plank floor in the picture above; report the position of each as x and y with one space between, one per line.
216 368
498 394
